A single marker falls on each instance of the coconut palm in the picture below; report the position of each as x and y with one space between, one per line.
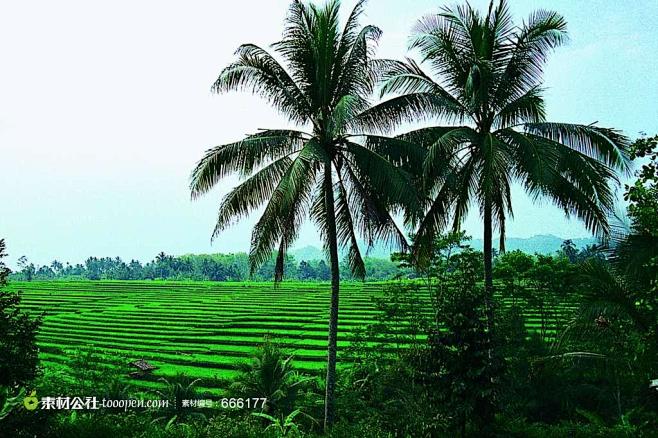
486 91
346 182
271 375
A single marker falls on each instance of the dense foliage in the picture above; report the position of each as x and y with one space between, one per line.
571 359
485 90
464 342
203 267
19 362
18 349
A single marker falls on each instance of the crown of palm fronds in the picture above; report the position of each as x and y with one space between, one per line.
485 82
323 82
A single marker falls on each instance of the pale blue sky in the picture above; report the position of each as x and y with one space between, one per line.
105 107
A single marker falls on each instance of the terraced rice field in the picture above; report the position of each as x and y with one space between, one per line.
202 329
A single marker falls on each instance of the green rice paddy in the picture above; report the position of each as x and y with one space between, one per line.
202 329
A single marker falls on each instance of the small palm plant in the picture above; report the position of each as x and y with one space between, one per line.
329 169
271 375
9 402
284 426
180 388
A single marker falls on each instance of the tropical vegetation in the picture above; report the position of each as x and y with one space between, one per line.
451 341
486 85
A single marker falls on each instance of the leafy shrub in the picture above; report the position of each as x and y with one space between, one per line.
180 387
271 374
18 349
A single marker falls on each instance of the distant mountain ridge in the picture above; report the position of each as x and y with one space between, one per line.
541 243
308 252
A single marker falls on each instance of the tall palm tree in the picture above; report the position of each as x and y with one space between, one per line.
345 181
486 89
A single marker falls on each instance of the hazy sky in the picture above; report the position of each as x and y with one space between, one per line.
105 107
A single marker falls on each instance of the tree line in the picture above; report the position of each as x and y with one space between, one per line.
235 267
197 267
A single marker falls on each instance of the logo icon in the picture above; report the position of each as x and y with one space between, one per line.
31 402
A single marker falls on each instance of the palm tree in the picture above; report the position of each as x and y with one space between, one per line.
487 90
346 181
271 374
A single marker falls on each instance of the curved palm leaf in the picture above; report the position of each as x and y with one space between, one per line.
488 72
242 157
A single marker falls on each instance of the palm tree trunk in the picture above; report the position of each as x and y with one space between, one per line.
485 412
488 267
330 397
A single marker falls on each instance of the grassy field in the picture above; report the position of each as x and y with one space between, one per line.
203 329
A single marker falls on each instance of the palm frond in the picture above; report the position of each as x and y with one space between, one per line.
524 59
527 108
392 183
257 71
608 294
633 256
345 232
443 149
607 145
286 209
407 77
356 76
578 184
310 44
371 210
250 194
411 108
347 108
462 185
446 45
398 151
451 201
243 157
